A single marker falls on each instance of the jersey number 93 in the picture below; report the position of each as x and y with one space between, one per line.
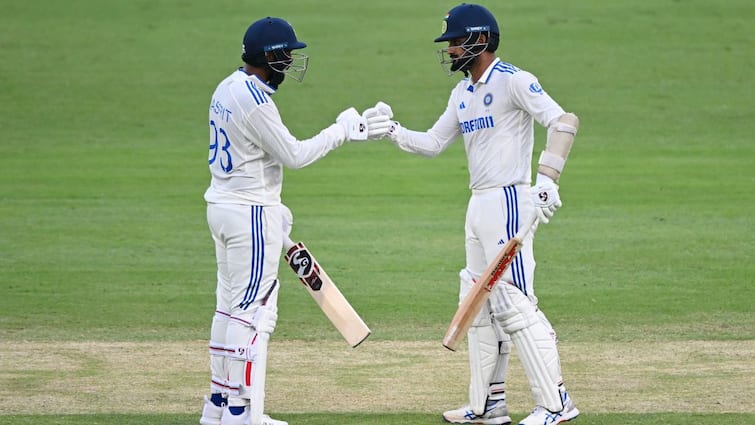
225 161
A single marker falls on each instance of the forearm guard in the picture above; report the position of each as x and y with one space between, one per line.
560 139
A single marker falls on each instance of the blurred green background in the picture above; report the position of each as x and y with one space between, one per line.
103 116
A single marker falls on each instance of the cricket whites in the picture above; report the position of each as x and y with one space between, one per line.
478 296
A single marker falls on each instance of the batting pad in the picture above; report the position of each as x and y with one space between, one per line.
483 353
489 350
239 350
535 345
218 363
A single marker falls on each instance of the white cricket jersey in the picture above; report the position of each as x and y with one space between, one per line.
249 144
495 117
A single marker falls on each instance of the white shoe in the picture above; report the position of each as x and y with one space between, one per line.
210 413
496 413
244 419
542 416
231 419
267 420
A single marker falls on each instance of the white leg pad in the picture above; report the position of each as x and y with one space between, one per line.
259 370
535 346
488 355
483 353
218 362
238 350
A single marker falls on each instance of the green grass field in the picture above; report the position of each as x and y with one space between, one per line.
107 266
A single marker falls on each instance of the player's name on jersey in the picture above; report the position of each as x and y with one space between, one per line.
218 109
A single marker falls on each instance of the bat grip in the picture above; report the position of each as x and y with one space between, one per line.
526 227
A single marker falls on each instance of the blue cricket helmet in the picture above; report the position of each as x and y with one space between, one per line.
269 43
465 19
269 34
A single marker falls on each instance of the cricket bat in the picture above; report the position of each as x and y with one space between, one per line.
325 293
472 304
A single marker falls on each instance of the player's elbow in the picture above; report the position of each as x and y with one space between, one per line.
566 122
292 163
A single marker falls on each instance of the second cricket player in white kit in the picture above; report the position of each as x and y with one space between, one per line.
493 109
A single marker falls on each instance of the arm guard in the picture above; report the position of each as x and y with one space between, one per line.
560 139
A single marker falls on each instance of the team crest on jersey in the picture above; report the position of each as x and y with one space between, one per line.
535 88
488 99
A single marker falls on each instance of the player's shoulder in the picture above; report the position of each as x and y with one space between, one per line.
503 71
248 90
505 68
516 77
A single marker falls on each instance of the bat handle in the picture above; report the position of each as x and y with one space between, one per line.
526 227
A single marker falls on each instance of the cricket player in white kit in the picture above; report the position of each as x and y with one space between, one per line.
493 109
249 145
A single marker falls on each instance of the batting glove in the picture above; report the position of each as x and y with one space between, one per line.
382 108
393 131
353 124
265 318
378 123
545 196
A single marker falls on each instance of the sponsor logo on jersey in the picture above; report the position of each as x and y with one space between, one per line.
475 124
462 106
535 88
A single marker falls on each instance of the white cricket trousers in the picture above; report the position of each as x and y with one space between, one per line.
493 217
248 243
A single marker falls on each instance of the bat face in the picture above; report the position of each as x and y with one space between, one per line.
306 269
322 289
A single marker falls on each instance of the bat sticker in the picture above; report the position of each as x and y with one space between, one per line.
306 269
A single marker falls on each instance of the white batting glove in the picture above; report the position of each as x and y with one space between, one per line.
545 196
265 318
378 123
288 220
393 131
353 124
382 108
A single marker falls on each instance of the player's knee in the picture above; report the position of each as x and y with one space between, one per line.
239 339
520 314
504 340
467 280
547 325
